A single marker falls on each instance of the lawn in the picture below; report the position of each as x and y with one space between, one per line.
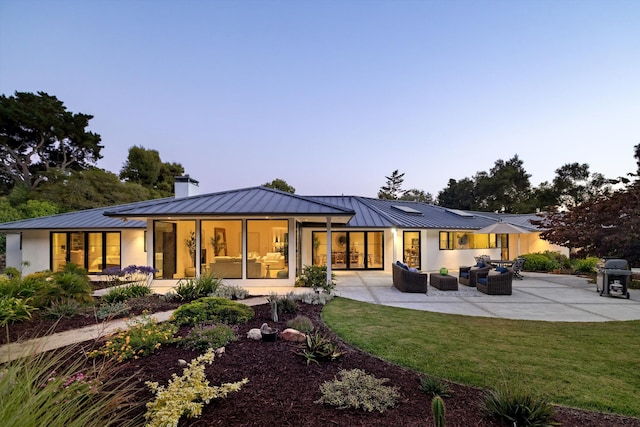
582 365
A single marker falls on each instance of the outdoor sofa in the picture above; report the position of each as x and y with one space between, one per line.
408 281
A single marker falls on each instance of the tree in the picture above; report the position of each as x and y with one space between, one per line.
38 136
393 189
144 167
506 188
605 226
416 195
91 188
458 195
280 184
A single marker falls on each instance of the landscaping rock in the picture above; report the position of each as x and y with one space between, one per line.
254 334
291 334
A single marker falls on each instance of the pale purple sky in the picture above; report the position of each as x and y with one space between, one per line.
332 96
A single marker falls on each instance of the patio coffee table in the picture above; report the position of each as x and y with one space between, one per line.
444 282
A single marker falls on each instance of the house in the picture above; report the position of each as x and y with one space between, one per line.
261 233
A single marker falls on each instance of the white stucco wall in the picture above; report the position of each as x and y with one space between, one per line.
14 253
35 250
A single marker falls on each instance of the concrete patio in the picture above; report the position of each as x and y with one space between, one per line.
540 296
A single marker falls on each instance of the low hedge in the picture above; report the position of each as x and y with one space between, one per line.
211 310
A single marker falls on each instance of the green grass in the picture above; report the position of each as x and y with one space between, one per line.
583 365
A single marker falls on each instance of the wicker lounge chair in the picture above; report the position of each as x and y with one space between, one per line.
468 275
495 284
409 281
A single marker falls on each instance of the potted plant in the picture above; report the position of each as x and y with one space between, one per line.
190 271
217 244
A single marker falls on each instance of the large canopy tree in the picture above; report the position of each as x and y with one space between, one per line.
38 136
144 167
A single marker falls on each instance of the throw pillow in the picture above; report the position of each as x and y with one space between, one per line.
413 269
502 269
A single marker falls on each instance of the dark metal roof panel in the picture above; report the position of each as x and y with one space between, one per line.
431 216
364 216
248 201
87 219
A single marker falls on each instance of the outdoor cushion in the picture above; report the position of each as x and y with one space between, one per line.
465 275
502 269
480 265
494 273
482 280
413 269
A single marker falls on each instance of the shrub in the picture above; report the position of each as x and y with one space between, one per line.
587 265
59 389
12 273
13 310
115 309
205 285
519 407
301 323
434 386
185 395
144 336
126 292
14 287
203 337
287 304
212 310
65 285
230 292
563 261
315 298
318 348
539 262
68 308
359 390
315 276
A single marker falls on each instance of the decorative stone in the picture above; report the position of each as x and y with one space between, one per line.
291 334
254 334
182 363
219 351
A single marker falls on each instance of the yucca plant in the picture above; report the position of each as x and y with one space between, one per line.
519 407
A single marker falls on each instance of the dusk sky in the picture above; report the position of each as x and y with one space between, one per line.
332 96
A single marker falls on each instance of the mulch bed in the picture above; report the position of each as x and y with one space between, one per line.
40 325
282 388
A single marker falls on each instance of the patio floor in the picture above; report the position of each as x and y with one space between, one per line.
549 297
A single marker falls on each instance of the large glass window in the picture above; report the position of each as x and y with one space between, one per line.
93 251
267 249
221 248
411 248
469 240
349 249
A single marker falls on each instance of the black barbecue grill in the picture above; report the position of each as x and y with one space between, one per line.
613 277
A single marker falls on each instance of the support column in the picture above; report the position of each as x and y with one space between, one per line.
198 248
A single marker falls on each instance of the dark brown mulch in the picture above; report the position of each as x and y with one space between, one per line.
282 388
40 325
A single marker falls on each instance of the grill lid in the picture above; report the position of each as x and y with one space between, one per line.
620 264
